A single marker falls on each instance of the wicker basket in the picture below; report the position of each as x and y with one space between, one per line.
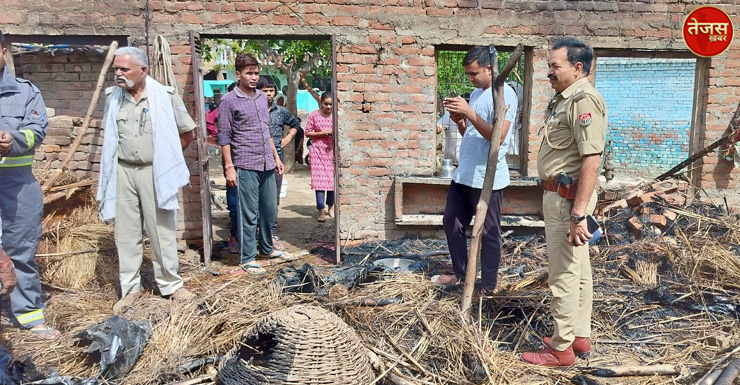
302 344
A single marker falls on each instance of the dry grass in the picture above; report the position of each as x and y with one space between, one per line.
423 339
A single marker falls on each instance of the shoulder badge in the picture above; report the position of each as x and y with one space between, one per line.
584 119
35 114
578 95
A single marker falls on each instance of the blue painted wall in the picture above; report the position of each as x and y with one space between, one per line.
649 103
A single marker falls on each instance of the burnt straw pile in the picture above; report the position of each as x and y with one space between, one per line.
666 299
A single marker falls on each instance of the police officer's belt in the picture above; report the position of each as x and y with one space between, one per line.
550 186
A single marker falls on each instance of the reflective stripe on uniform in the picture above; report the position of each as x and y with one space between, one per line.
31 316
17 161
30 138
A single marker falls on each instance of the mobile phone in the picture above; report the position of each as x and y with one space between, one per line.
594 228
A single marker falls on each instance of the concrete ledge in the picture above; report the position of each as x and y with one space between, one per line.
436 220
518 182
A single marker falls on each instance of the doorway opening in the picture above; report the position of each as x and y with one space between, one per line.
296 72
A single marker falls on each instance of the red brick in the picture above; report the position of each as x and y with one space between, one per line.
633 198
635 224
228 18
614 207
285 20
670 215
666 186
345 21
658 220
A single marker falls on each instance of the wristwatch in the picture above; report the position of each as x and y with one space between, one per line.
575 218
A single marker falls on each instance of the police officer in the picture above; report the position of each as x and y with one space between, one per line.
573 143
24 125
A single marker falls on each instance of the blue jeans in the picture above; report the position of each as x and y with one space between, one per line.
231 203
256 195
320 199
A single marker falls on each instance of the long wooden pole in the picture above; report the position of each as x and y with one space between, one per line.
499 109
86 123
730 132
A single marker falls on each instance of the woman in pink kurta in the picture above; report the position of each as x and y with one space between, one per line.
320 129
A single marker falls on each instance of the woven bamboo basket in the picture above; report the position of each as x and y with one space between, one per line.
302 344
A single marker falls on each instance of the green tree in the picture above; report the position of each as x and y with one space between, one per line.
291 57
451 77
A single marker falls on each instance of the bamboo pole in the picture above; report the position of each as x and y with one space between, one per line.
497 88
627 371
86 123
730 373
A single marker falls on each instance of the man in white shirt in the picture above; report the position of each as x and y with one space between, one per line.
474 122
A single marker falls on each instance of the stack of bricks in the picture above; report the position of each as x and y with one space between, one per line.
646 213
62 132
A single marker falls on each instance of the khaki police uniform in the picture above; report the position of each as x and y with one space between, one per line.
575 128
136 198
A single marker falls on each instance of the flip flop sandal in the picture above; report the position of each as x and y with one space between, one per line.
275 254
245 268
277 245
234 247
286 256
46 333
445 279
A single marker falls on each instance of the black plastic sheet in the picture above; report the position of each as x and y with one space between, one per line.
119 342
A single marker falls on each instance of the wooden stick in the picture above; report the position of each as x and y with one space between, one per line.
730 373
84 183
88 116
623 371
197 380
583 380
497 88
74 252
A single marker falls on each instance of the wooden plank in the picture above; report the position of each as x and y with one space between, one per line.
436 220
435 180
202 145
337 152
526 111
398 198
698 115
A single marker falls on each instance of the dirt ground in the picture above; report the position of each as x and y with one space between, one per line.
298 227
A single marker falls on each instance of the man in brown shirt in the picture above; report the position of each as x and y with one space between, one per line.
573 142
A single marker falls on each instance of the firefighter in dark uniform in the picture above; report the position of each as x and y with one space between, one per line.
23 127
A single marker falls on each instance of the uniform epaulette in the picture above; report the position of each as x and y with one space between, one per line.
110 90
579 94
26 81
170 90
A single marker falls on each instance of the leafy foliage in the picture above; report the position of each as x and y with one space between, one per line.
452 78
289 56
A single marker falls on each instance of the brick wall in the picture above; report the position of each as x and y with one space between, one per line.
66 80
650 102
386 68
63 130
